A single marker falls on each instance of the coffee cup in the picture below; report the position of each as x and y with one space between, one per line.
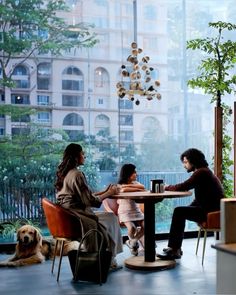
156 186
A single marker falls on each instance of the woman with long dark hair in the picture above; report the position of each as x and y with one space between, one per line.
74 194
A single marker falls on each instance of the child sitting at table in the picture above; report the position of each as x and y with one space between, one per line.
129 211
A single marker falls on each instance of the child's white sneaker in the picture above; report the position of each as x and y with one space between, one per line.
133 245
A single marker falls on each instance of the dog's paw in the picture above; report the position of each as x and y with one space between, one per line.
7 263
69 246
3 263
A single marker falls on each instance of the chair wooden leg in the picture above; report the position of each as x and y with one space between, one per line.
198 239
204 246
60 259
54 256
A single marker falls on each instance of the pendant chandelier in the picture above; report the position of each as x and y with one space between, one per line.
137 79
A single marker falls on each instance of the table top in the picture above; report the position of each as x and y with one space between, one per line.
228 248
144 195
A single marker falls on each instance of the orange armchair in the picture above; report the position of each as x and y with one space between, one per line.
62 225
212 224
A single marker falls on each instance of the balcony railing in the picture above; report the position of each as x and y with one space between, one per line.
25 203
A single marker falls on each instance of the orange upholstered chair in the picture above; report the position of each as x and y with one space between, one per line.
212 224
62 225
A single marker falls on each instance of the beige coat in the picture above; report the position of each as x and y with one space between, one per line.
77 197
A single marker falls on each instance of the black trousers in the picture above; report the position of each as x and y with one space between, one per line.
180 215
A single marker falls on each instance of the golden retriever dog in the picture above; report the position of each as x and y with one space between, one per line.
31 248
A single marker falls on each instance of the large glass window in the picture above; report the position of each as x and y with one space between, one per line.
73 98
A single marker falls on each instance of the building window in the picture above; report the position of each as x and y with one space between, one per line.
43 100
20 99
21 84
44 76
100 22
151 128
126 120
101 3
20 71
125 104
44 132
44 117
73 119
43 34
72 71
2 131
75 135
72 100
126 136
72 79
150 12
72 85
2 96
24 118
100 101
20 131
127 9
21 77
101 77
102 122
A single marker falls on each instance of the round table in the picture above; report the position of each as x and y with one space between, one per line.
149 261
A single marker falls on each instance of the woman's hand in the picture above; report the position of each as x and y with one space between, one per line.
113 189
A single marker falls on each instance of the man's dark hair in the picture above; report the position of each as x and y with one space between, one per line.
195 157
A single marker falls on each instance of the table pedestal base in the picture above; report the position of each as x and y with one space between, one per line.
137 262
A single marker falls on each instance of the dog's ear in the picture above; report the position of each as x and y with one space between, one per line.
18 235
37 237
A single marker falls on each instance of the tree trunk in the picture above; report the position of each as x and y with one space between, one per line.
218 141
234 149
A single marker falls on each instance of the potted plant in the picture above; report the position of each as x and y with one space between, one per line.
215 78
8 229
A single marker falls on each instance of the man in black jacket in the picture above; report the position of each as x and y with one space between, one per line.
208 192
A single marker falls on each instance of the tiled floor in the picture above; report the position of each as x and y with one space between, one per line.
188 277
